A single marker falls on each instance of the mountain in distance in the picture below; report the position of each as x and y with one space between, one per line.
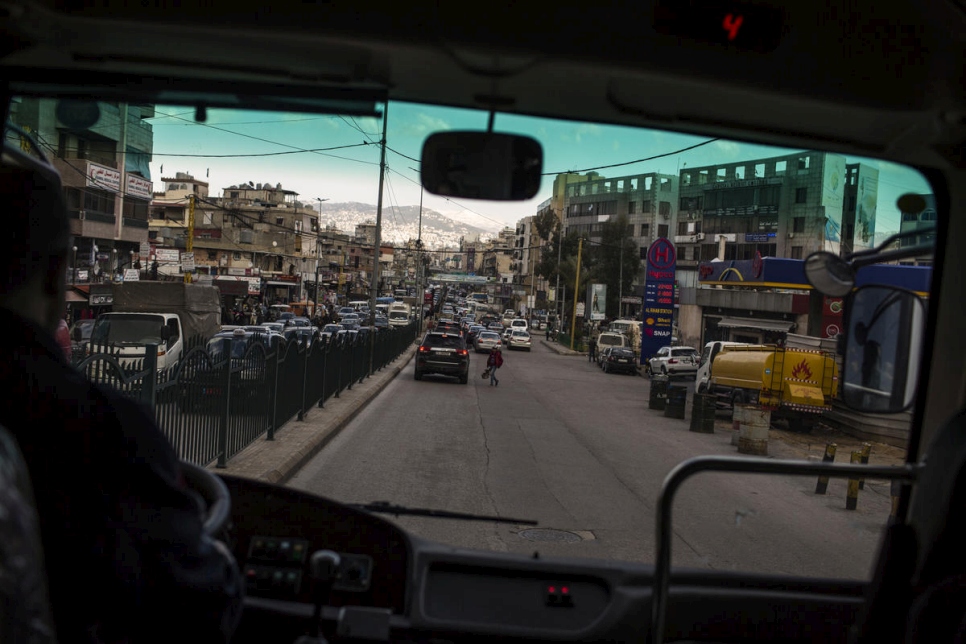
401 223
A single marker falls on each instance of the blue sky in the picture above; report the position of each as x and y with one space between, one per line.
352 174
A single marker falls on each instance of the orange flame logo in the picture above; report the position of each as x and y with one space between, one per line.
801 371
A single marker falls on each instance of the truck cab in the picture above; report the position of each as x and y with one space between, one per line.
128 333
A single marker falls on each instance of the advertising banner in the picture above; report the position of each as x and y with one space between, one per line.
597 302
658 297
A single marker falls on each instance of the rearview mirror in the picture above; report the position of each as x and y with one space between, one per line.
884 331
482 165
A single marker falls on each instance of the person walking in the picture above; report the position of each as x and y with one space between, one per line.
592 346
494 362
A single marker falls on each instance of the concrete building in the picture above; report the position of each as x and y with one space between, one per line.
257 234
649 201
916 221
527 249
106 176
788 206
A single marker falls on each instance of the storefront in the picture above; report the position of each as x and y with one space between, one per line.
761 300
281 289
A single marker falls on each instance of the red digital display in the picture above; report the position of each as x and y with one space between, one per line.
732 24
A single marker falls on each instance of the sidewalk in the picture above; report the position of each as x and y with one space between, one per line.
561 349
297 442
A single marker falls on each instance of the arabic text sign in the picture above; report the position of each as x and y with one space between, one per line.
658 313
138 187
99 176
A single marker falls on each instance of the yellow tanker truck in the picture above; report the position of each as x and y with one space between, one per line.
796 384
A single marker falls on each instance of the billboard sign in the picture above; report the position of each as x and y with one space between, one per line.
866 203
597 302
658 313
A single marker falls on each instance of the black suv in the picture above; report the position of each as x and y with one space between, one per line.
443 353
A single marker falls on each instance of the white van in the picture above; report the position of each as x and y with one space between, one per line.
622 326
711 350
519 323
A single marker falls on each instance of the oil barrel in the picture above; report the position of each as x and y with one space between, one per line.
753 423
677 399
658 397
702 413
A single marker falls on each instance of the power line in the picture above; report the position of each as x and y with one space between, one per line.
258 138
313 118
229 156
405 156
496 221
617 165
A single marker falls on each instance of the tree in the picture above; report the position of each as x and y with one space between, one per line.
614 249
545 222
547 266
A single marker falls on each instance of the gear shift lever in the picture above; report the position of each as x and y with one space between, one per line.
324 572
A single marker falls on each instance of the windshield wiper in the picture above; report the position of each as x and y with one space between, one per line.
388 508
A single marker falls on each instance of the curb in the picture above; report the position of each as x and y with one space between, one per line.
288 465
553 346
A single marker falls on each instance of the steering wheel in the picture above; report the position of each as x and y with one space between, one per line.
215 494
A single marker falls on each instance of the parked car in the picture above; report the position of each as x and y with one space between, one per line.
330 331
675 361
519 339
203 379
445 354
609 339
619 360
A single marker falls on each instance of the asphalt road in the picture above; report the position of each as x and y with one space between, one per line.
579 451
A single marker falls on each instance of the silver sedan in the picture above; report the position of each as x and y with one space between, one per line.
486 341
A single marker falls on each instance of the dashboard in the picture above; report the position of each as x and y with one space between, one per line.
393 586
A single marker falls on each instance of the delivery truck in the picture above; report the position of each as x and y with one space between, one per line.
168 314
797 385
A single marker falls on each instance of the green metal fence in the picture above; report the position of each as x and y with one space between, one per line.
212 405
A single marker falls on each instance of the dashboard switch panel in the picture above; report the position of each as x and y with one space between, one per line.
274 581
280 550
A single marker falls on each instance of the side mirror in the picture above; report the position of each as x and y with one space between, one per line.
76 334
482 165
884 331
166 333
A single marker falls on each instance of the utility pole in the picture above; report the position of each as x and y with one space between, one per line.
620 285
190 244
374 285
573 323
557 289
419 261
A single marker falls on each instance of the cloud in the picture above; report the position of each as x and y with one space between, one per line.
727 148
578 133
421 125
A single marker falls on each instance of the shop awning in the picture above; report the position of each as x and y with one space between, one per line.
289 284
751 323
75 297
